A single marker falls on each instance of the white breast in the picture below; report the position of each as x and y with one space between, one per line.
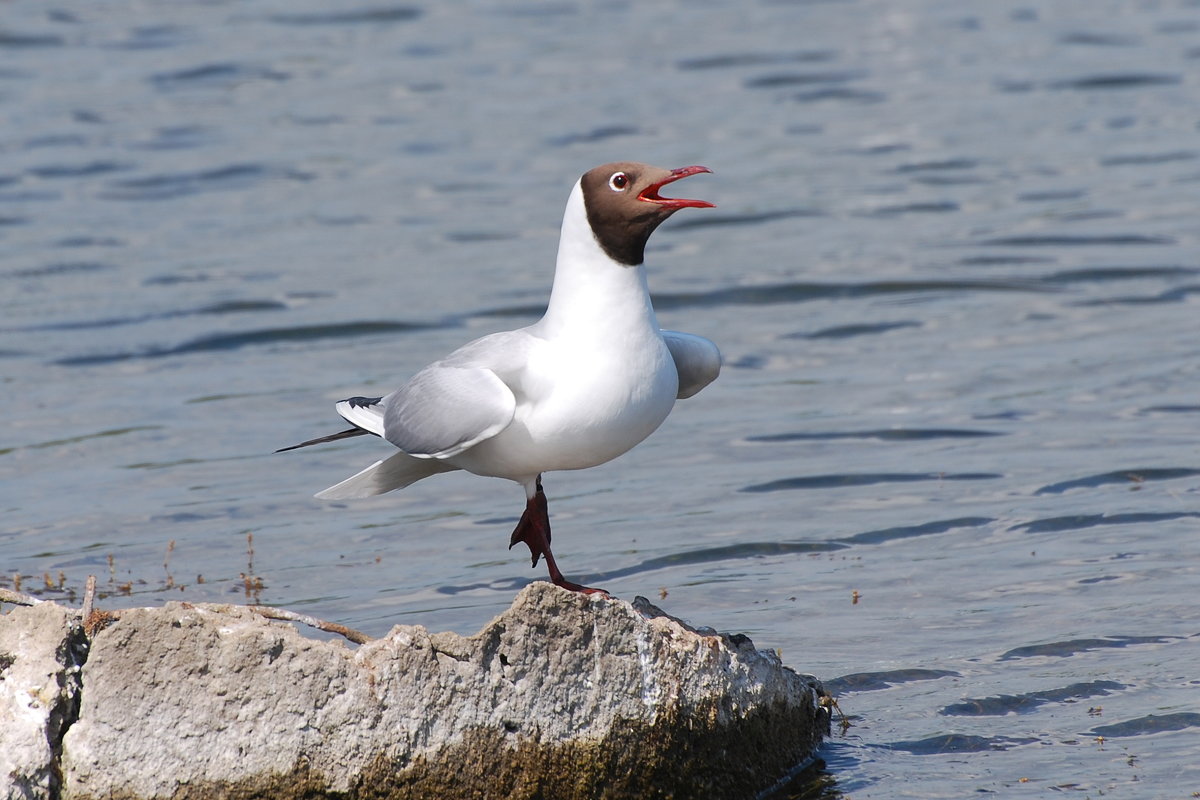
599 378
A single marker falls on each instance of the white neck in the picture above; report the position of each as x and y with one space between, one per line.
591 291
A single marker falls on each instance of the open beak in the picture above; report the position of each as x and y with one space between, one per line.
650 193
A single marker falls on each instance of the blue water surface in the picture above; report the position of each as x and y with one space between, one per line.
952 464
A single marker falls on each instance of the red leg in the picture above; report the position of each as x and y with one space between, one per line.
534 530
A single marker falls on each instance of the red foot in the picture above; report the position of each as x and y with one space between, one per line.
534 530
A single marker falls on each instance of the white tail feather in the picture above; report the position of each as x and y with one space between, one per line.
384 476
369 418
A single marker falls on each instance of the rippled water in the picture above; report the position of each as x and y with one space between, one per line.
951 466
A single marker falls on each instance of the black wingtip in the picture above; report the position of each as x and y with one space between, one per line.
333 437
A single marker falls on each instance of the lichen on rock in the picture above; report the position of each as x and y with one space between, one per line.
41 650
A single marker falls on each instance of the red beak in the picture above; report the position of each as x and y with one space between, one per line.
650 193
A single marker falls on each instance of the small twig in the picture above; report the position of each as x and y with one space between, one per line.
830 704
18 598
167 564
358 637
89 598
94 619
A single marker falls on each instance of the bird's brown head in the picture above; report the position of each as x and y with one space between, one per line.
624 205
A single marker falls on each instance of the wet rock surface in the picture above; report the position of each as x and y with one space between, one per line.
562 696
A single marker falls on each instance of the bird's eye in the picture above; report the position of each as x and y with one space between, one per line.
618 181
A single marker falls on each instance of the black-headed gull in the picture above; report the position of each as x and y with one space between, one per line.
584 384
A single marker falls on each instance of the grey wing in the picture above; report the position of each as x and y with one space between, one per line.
446 409
697 360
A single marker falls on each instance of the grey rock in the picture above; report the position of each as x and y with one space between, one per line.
41 648
563 695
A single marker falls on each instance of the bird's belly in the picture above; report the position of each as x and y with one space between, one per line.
594 413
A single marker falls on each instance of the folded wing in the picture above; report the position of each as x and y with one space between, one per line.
446 409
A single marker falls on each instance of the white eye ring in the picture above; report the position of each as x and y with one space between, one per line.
618 182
